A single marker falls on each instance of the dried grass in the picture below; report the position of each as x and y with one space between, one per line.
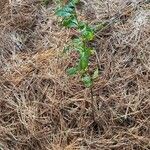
41 108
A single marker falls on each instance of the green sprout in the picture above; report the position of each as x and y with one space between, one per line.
69 19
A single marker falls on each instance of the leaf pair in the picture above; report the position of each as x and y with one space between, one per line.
86 31
70 20
81 67
83 62
88 80
68 9
65 11
68 14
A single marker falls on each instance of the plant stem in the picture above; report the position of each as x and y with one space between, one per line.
92 104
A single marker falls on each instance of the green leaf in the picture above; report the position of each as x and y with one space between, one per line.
95 74
77 42
70 22
72 71
84 61
82 25
65 11
78 45
88 33
88 51
87 81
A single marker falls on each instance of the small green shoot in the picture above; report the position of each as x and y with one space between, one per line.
72 71
69 19
87 80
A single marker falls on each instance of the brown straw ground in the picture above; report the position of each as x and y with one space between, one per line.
41 108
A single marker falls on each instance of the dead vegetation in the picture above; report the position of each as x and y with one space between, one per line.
41 108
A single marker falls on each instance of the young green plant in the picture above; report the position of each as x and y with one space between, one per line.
69 19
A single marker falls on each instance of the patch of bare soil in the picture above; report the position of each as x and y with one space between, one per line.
41 108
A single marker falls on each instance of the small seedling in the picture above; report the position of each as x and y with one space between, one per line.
69 19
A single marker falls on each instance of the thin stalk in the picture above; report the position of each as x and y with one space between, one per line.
92 104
